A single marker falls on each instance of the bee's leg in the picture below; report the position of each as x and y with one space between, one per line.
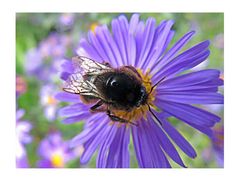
98 107
118 119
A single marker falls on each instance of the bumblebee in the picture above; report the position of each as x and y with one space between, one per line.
109 89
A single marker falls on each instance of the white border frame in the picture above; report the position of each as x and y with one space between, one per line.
7 90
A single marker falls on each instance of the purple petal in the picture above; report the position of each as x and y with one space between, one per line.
92 144
67 66
72 110
132 49
97 45
182 143
133 23
115 149
101 33
139 37
147 41
148 152
173 51
180 64
104 148
67 97
203 129
74 119
191 97
162 37
64 75
120 39
87 49
200 80
165 142
92 130
189 113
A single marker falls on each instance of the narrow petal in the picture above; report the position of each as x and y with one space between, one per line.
178 65
118 156
91 145
101 35
182 143
67 97
139 37
133 23
173 51
104 148
149 154
162 38
165 143
189 113
87 49
196 81
72 110
114 48
147 41
119 38
96 128
74 119
131 43
191 97
97 45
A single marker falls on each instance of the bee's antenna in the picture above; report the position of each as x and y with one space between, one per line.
156 85
154 114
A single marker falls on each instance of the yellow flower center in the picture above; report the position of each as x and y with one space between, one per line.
51 100
93 27
139 112
57 160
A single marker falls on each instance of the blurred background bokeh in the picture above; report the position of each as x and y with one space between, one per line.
43 40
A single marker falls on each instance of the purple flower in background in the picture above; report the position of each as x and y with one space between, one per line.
23 129
66 19
144 46
48 101
54 152
43 61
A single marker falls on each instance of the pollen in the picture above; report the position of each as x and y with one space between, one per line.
140 112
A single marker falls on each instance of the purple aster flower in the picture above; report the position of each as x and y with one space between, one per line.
22 132
144 46
54 152
48 101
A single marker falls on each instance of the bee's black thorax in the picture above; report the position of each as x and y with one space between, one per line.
121 90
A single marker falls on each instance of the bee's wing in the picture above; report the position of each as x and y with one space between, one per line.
77 85
88 66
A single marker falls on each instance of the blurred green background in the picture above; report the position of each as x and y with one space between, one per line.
33 28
